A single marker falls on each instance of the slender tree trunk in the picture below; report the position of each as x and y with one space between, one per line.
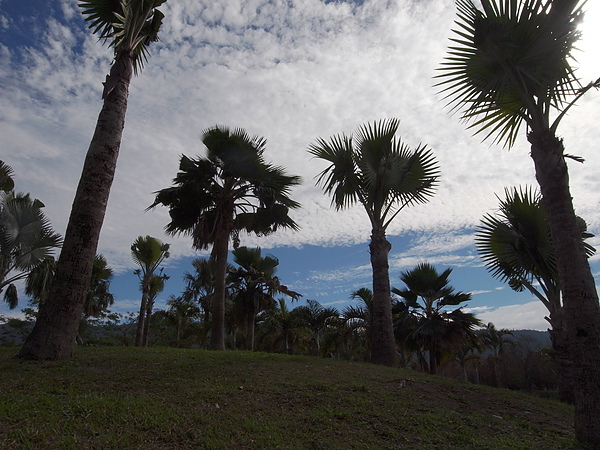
55 330
580 299
219 256
382 342
139 334
249 335
463 366
147 319
432 358
497 375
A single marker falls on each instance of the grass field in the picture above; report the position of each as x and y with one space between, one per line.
163 398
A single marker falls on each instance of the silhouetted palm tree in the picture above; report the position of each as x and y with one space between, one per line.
217 196
511 65
377 170
319 319
26 240
129 26
148 253
516 246
427 295
254 285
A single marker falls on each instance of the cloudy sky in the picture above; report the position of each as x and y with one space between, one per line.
290 71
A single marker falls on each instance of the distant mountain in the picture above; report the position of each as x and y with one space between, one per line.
537 339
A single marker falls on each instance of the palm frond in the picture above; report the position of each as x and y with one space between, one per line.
509 63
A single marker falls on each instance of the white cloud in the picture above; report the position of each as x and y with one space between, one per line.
289 71
515 317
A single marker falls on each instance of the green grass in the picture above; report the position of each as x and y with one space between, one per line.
162 398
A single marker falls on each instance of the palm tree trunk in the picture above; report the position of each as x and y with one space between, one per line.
382 342
432 358
476 370
53 336
219 256
497 374
139 334
147 318
249 335
580 299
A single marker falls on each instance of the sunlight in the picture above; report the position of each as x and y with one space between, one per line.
588 54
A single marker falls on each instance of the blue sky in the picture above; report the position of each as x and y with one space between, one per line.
291 71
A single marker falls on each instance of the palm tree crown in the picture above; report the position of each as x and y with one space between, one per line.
26 240
129 25
376 169
233 188
511 64
516 245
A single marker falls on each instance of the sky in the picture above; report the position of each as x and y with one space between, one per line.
290 71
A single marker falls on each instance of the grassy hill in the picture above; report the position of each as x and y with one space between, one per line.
163 398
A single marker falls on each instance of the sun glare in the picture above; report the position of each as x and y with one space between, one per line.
588 54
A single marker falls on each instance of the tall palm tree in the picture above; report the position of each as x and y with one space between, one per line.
377 170
428 294
26 240
148 253
255 284
129 26
511 65
516 246
217 196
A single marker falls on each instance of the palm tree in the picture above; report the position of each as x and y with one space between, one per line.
157 285
496 340
149 253
511 64
130 26
255 284
181 313
428 294
359 318
39 279
98 297
516 246
7 183
318 319
26 240
280 329
200 285
217 196
380 172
